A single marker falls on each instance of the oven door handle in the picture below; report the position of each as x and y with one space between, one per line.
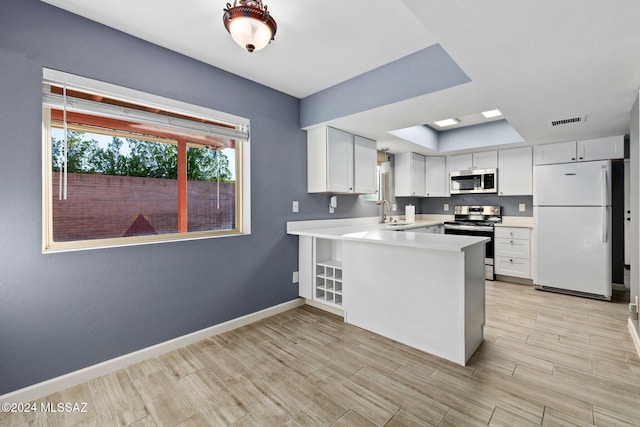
468 228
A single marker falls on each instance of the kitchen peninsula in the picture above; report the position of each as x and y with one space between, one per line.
421 289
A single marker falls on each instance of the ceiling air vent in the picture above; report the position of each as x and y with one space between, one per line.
572 120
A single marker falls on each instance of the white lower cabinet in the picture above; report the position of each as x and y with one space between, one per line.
306 269
515 267
432 229
513 251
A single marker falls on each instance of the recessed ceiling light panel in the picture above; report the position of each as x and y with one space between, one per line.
491 113
447 122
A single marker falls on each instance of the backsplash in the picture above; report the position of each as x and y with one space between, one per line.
510 204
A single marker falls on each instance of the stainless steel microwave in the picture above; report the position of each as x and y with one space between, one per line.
474 181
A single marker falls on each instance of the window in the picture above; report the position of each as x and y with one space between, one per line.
122 167
382 173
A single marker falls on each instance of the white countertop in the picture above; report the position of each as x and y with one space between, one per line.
516 221
365 230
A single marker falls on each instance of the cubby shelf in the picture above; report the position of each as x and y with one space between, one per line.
328 281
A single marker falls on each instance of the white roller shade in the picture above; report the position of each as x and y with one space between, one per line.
232 126
79 105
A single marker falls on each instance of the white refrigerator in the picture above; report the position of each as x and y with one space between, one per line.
572 228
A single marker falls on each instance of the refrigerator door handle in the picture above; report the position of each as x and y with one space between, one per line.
603 189
605 212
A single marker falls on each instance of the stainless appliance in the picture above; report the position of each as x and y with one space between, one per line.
572 228
477 221
474 181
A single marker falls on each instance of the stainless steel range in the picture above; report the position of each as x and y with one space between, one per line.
477 221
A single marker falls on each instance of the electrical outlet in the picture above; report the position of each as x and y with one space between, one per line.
446 207
522 207
633 311
295 206
394 207
295 277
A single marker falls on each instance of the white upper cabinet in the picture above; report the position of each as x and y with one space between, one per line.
339 162
485 160
515 172
611 147
365 155
459 162
436 176
409 175
559 152
471 161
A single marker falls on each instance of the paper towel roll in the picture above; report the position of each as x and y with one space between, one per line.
410 213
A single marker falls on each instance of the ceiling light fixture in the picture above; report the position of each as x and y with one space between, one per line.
491 113
249 23
447 122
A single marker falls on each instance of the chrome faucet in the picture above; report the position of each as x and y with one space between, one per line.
383 216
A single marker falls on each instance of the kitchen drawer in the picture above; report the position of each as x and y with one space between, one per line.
512 232
515 267
518 248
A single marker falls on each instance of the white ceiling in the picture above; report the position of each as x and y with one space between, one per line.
536 61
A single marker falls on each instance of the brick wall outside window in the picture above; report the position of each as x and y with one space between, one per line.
104 206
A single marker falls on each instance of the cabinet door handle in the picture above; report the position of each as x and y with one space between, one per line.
511 241
510 260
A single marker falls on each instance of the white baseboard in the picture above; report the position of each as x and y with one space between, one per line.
71 379
325 307
634 336
512 279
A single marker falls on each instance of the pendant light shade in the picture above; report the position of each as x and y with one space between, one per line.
250 24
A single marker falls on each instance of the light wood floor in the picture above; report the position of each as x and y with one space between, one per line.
547 359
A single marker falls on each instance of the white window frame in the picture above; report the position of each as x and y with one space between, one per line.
146 99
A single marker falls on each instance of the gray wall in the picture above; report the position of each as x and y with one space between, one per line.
389 83
62 312
477 136
481 135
